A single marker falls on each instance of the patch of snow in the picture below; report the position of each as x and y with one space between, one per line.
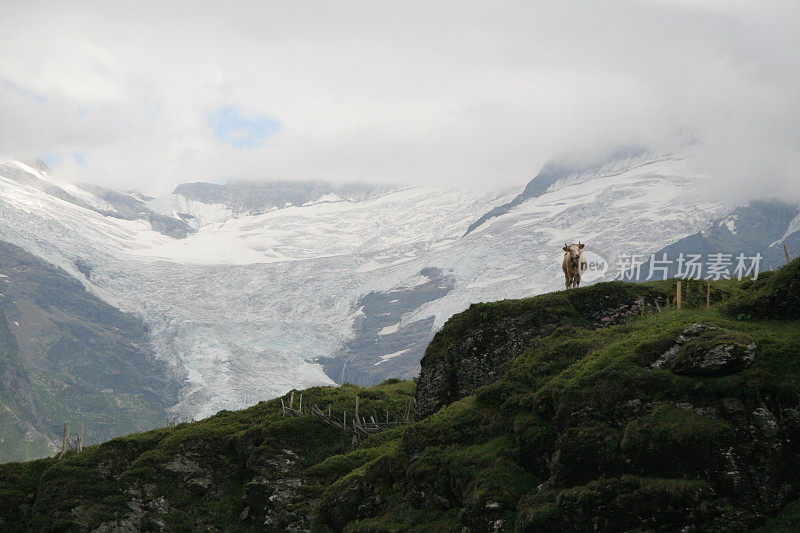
388 330
388 356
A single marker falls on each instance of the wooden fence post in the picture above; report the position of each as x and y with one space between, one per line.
708 294
786 251
678 296
291 400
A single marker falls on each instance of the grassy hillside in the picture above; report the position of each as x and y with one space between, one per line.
67 356
601 408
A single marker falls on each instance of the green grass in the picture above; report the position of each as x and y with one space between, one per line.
578 421
788 521
93 487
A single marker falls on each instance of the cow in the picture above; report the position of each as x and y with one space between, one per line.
574 264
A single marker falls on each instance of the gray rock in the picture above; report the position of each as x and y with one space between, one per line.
723 358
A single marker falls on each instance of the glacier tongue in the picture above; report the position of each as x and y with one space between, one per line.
249 304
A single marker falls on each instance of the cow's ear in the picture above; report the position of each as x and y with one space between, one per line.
566 248
581 246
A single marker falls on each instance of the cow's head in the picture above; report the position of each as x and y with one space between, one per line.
574 251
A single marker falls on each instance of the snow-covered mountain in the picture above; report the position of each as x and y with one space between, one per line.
267 287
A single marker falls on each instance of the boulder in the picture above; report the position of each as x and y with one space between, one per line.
704 350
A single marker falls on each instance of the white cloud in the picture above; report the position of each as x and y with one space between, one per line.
477 93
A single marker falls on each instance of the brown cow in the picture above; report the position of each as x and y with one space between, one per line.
574 264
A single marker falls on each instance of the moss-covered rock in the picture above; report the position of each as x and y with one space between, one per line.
623 504
702 350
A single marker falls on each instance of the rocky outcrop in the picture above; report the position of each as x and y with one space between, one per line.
275 498
731 454
703 350
473 347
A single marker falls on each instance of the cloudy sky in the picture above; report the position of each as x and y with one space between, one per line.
147 95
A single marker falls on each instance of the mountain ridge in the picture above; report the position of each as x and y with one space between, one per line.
250 306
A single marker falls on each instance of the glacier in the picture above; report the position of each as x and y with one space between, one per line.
255 299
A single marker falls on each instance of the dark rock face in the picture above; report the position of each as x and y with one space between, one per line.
84 268
476 361
171 227
275 497
748 459
473 347
381 347
722 359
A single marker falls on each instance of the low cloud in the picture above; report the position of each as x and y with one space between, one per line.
473 94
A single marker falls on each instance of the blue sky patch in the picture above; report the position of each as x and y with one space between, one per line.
55 159
240 129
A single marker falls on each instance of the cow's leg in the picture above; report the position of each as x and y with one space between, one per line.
567 280
577 281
